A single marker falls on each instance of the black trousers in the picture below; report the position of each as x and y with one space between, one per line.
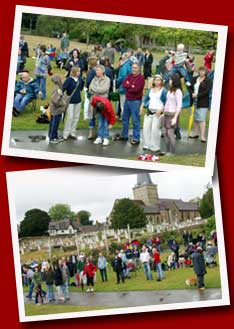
120 275
200 281
90 281
103 274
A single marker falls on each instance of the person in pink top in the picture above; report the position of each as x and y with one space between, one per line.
172 110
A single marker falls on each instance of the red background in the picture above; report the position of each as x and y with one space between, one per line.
197 11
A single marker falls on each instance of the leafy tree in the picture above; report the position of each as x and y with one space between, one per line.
126 212
207 204
84 216
61 211
35 223
210 226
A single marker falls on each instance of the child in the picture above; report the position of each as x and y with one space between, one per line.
57 107
106 118
171 113
89 271
171 261
73 85
179 65
37 281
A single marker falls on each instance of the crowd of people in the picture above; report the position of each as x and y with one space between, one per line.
104 83
80 270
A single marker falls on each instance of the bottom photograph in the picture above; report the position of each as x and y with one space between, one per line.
90 243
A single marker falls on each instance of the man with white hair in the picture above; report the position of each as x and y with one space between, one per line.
26 89
179 60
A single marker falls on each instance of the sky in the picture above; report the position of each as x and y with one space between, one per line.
94 189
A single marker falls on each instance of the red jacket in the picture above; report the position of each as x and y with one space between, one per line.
90 270
157 258
108 112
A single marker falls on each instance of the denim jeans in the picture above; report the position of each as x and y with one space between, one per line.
103 274
147 270
54 124
30 292
177 69
103 130
41 81
92 123
158 267
50 291
65 289
131 108
20 101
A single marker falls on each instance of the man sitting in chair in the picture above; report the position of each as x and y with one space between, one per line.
26 89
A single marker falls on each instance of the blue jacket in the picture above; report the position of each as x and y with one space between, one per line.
124 70
69 85
31 87
163 97
199 263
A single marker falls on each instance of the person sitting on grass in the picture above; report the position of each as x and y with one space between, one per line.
89 271
26 89
106 118
62 59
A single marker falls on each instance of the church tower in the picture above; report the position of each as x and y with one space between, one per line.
145 190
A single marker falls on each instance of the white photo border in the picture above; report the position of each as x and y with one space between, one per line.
137 164
93 172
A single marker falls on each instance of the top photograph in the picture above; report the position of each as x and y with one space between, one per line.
114 90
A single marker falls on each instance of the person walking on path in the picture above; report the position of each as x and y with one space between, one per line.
40 293
102 264
48 277
58 281
65 276
73 85
134 84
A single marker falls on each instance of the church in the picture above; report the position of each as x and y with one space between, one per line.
161 211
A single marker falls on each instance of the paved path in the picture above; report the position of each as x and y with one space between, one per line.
140 298
124 150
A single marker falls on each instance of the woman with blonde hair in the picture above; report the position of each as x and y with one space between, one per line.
154 102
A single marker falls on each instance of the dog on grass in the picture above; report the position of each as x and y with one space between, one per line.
191 282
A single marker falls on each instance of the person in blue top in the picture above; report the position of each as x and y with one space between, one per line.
26 89
102 264
41 70
124 70
154 101
73 85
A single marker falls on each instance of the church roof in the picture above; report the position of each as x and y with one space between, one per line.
189 206
143 179
62 224
152 209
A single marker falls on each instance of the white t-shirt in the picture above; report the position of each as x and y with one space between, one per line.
196 86
145 257
155 102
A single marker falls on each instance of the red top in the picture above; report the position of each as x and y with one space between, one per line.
135 86
108 112
208 60
90 269
157 258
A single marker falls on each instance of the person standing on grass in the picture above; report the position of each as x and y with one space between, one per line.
99 86
148 62
73 86
65 275
134 84
102 264
209 59
64 44
201 90
199 267
58 281
110 53
117 265
172 110
90 270
145 261
29 274
57 108
48 277
158 265
41 70
74 61
106 118
40 293
154 101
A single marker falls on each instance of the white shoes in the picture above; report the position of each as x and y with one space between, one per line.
98 141
105 142
88 290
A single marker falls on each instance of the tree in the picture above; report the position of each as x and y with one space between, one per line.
35 223
210 226
207 204
126 212
84 216
61 211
